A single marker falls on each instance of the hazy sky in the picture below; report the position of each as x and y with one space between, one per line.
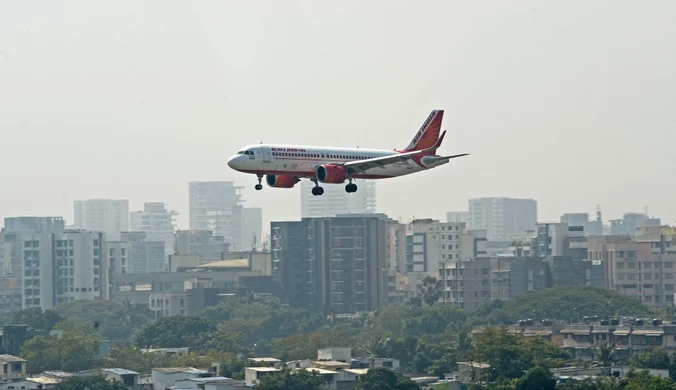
571 103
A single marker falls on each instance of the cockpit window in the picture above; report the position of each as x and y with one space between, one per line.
240 152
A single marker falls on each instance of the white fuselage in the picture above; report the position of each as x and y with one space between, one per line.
302 161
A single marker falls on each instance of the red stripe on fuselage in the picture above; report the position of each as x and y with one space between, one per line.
309 174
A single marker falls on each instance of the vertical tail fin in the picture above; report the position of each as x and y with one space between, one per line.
428 134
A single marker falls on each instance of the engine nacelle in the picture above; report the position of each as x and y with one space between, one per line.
330 173
283 181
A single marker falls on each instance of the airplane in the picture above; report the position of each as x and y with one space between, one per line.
285 165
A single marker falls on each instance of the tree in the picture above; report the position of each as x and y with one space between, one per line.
642 380
537 378
115 320
606 353
562 303
97 382
68 352
173 332
35 318
297 380
510 355
429 290
384 379
305 346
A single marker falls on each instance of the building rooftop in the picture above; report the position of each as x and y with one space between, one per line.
225 264
321 371
262 369
44 380
120 371
210 379
10 358
358 371
58 374
265 360
176 370
330 363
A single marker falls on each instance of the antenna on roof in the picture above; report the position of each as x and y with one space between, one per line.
261 143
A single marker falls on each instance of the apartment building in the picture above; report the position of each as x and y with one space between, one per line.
109 216
336 265
157 222
466 283
642 269
63 267
501 217
216 206
336 201
202 243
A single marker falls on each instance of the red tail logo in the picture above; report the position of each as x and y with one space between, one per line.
428 134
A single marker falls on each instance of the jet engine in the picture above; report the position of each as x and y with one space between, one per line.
330 173
283 181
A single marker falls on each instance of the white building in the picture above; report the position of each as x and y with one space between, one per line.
158 223
251 232
336 201
169 303
457 216
429 242
501 217
103 215
216 206
133 254
63 267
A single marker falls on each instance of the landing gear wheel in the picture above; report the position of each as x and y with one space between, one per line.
351 188
259 187
317 191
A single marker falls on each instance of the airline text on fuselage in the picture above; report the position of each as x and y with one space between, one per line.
293 150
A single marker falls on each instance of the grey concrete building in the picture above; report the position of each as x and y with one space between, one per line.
334 265
502 217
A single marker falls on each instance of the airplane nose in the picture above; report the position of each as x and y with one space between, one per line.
231 162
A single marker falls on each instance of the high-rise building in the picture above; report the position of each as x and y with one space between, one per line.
630 222
333 265
158 224
251 232
336 201
201 243
457 216
216 206
34 224
466 283
63 267
143 255
502 217
103 215
12 256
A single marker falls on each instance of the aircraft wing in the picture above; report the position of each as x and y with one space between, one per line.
363 165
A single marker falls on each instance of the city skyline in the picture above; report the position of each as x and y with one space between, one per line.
543 96
441 214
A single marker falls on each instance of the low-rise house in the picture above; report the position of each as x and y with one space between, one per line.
165 378
252 375
127 377
266 361
198 383
228 385
13 368
38 382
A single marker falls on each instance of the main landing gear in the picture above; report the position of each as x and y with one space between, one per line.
351 188
317 191
259 186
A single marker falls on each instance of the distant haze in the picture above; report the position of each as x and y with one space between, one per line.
570 103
